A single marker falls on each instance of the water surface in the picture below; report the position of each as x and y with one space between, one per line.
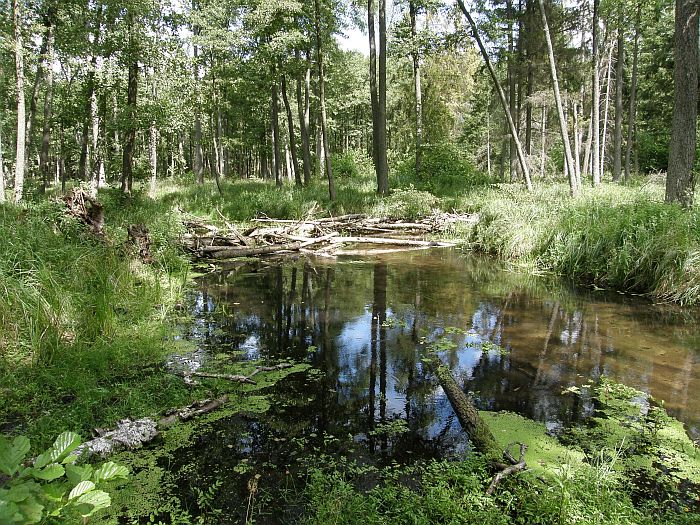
517 342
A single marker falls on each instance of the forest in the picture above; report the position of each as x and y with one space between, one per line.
327 261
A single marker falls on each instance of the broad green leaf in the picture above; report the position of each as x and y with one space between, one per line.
77 474
66 443
53 471
21 492
31 510
110 471
9 512
81 488
93 501
12 454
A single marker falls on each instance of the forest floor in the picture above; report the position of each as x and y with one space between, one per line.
85 326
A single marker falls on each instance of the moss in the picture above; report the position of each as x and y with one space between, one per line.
544 453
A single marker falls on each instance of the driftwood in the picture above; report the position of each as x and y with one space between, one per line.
327 235
86 209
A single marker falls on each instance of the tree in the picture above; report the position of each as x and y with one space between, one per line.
501 94
595 117
417 87
680 181
21 119
378 95
619 74
322 99
632 118
573 185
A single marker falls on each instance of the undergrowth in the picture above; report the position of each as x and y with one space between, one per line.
82 321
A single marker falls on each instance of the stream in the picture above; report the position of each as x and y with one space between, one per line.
517 342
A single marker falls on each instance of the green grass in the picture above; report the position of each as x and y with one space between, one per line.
83 326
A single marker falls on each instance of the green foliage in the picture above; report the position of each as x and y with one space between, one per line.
445 170
53 487
77 312
354 163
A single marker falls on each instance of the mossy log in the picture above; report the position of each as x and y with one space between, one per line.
467 414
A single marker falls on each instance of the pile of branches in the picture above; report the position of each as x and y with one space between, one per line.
327 236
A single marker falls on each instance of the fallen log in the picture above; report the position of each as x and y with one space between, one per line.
468 416
479 433
390 240
230 253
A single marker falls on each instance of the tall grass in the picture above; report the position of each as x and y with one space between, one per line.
81 321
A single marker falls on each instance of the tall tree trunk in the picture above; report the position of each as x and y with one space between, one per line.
529 27
153 144
619 74
382 164
292 134
322 102
501 94
34 100
374 99
604 143
543 140
416 86
680 181
274 117
48 113
573 186
21 120
130 135
595 117
632 118
303 108
198 164
512 154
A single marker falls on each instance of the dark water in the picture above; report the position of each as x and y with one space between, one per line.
520 342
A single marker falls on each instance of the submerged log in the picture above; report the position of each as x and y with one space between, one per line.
467 414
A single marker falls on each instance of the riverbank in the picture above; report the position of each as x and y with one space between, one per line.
622 238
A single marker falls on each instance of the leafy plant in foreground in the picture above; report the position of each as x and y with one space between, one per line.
53 486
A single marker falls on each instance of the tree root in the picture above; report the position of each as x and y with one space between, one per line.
515 466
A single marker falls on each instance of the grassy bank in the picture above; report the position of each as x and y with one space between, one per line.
82 321
616 237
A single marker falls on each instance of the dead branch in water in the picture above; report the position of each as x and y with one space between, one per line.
328 234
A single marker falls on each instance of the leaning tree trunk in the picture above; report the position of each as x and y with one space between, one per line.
619 72
573 186
468 416
501 94
680 181
416 86
292 134
631 120
21 120
322 102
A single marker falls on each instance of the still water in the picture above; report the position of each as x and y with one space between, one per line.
517 342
